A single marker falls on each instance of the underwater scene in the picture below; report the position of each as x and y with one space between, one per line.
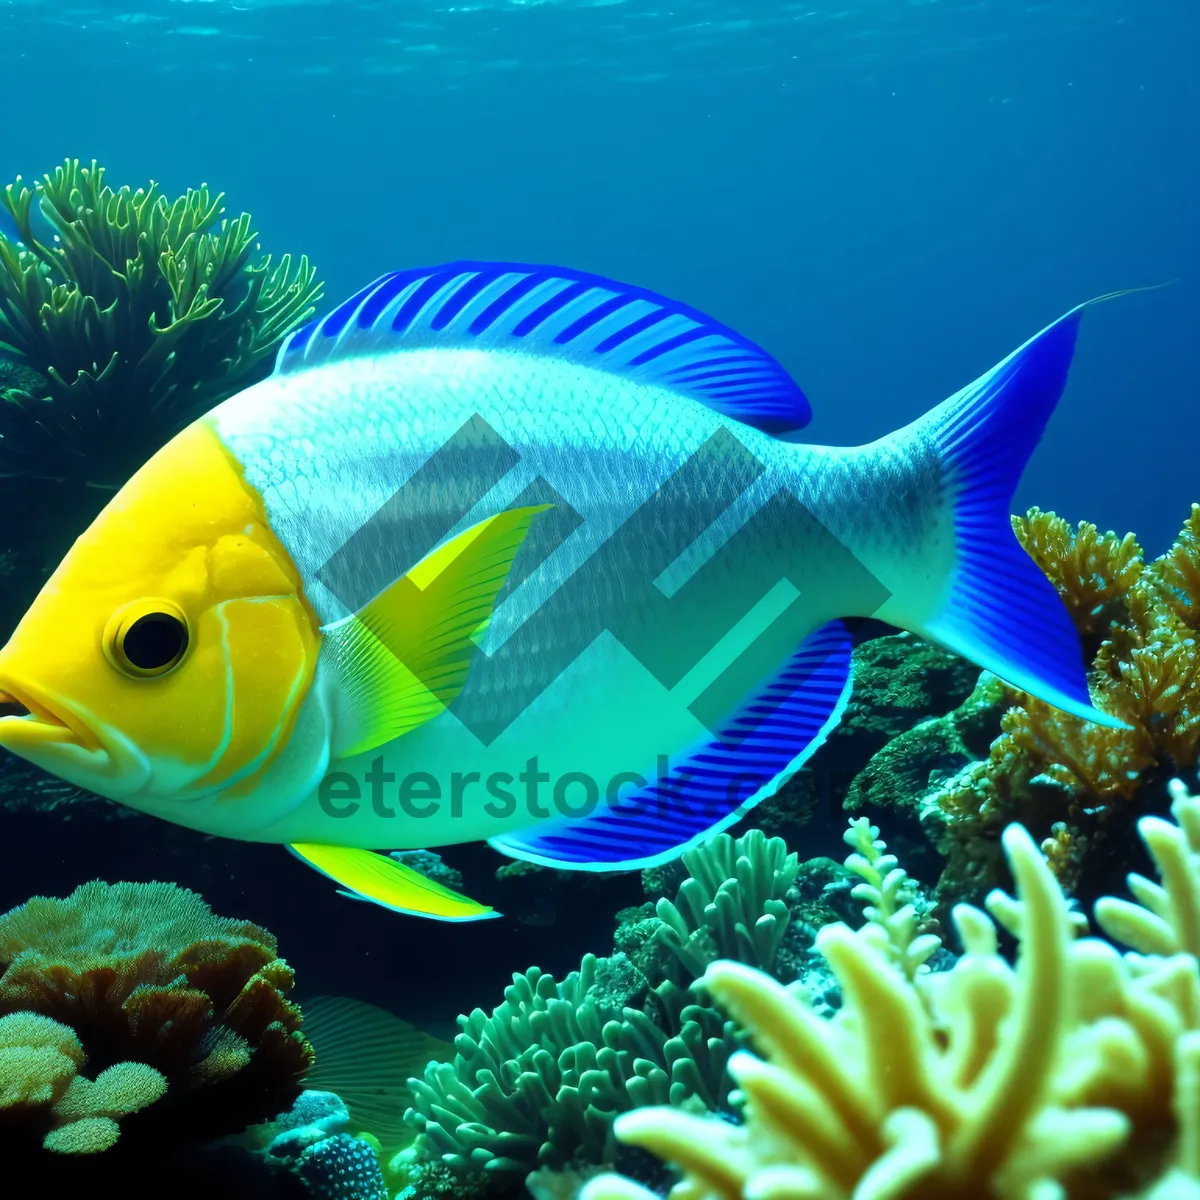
600 599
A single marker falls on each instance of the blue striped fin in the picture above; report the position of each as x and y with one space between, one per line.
718 783
571 315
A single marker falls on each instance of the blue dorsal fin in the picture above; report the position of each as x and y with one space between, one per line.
773 733
560 313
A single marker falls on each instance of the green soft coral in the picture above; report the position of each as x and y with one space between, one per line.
138 315
734 903
539 1080
135 315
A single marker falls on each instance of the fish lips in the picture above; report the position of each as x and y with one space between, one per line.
52 735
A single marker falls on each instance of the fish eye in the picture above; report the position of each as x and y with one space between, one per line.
146 639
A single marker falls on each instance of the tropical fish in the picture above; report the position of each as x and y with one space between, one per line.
521 554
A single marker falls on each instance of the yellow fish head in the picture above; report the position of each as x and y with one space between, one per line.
167 656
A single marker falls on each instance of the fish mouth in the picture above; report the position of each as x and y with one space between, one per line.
10 706
26 719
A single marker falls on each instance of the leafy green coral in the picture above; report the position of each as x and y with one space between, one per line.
138 315
538 1081
733 904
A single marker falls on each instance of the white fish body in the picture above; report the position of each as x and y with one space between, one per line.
512 553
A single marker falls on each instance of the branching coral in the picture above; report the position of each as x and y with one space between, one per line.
139 314
1178 573
1049 767
182 1016
539 1080
1146 672
1072 1074
1092 571
893 903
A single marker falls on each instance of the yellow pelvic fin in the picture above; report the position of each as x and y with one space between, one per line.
381 880
403 657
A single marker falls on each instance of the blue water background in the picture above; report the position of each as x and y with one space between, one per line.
889 196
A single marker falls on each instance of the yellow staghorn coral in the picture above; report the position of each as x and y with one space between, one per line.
1074 1075
1092 571
1177 573
1049 767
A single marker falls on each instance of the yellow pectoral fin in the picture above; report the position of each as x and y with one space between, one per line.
383 881
403 657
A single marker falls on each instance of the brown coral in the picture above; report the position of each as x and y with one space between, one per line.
153 984
1177 573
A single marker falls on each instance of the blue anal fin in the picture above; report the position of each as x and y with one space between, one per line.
717 783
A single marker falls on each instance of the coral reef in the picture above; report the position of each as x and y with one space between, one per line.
132 1010
40 1085
313 1139
900 682
955 781
537 1082
137 315
1074 1073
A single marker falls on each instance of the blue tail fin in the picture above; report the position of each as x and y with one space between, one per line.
1001 611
